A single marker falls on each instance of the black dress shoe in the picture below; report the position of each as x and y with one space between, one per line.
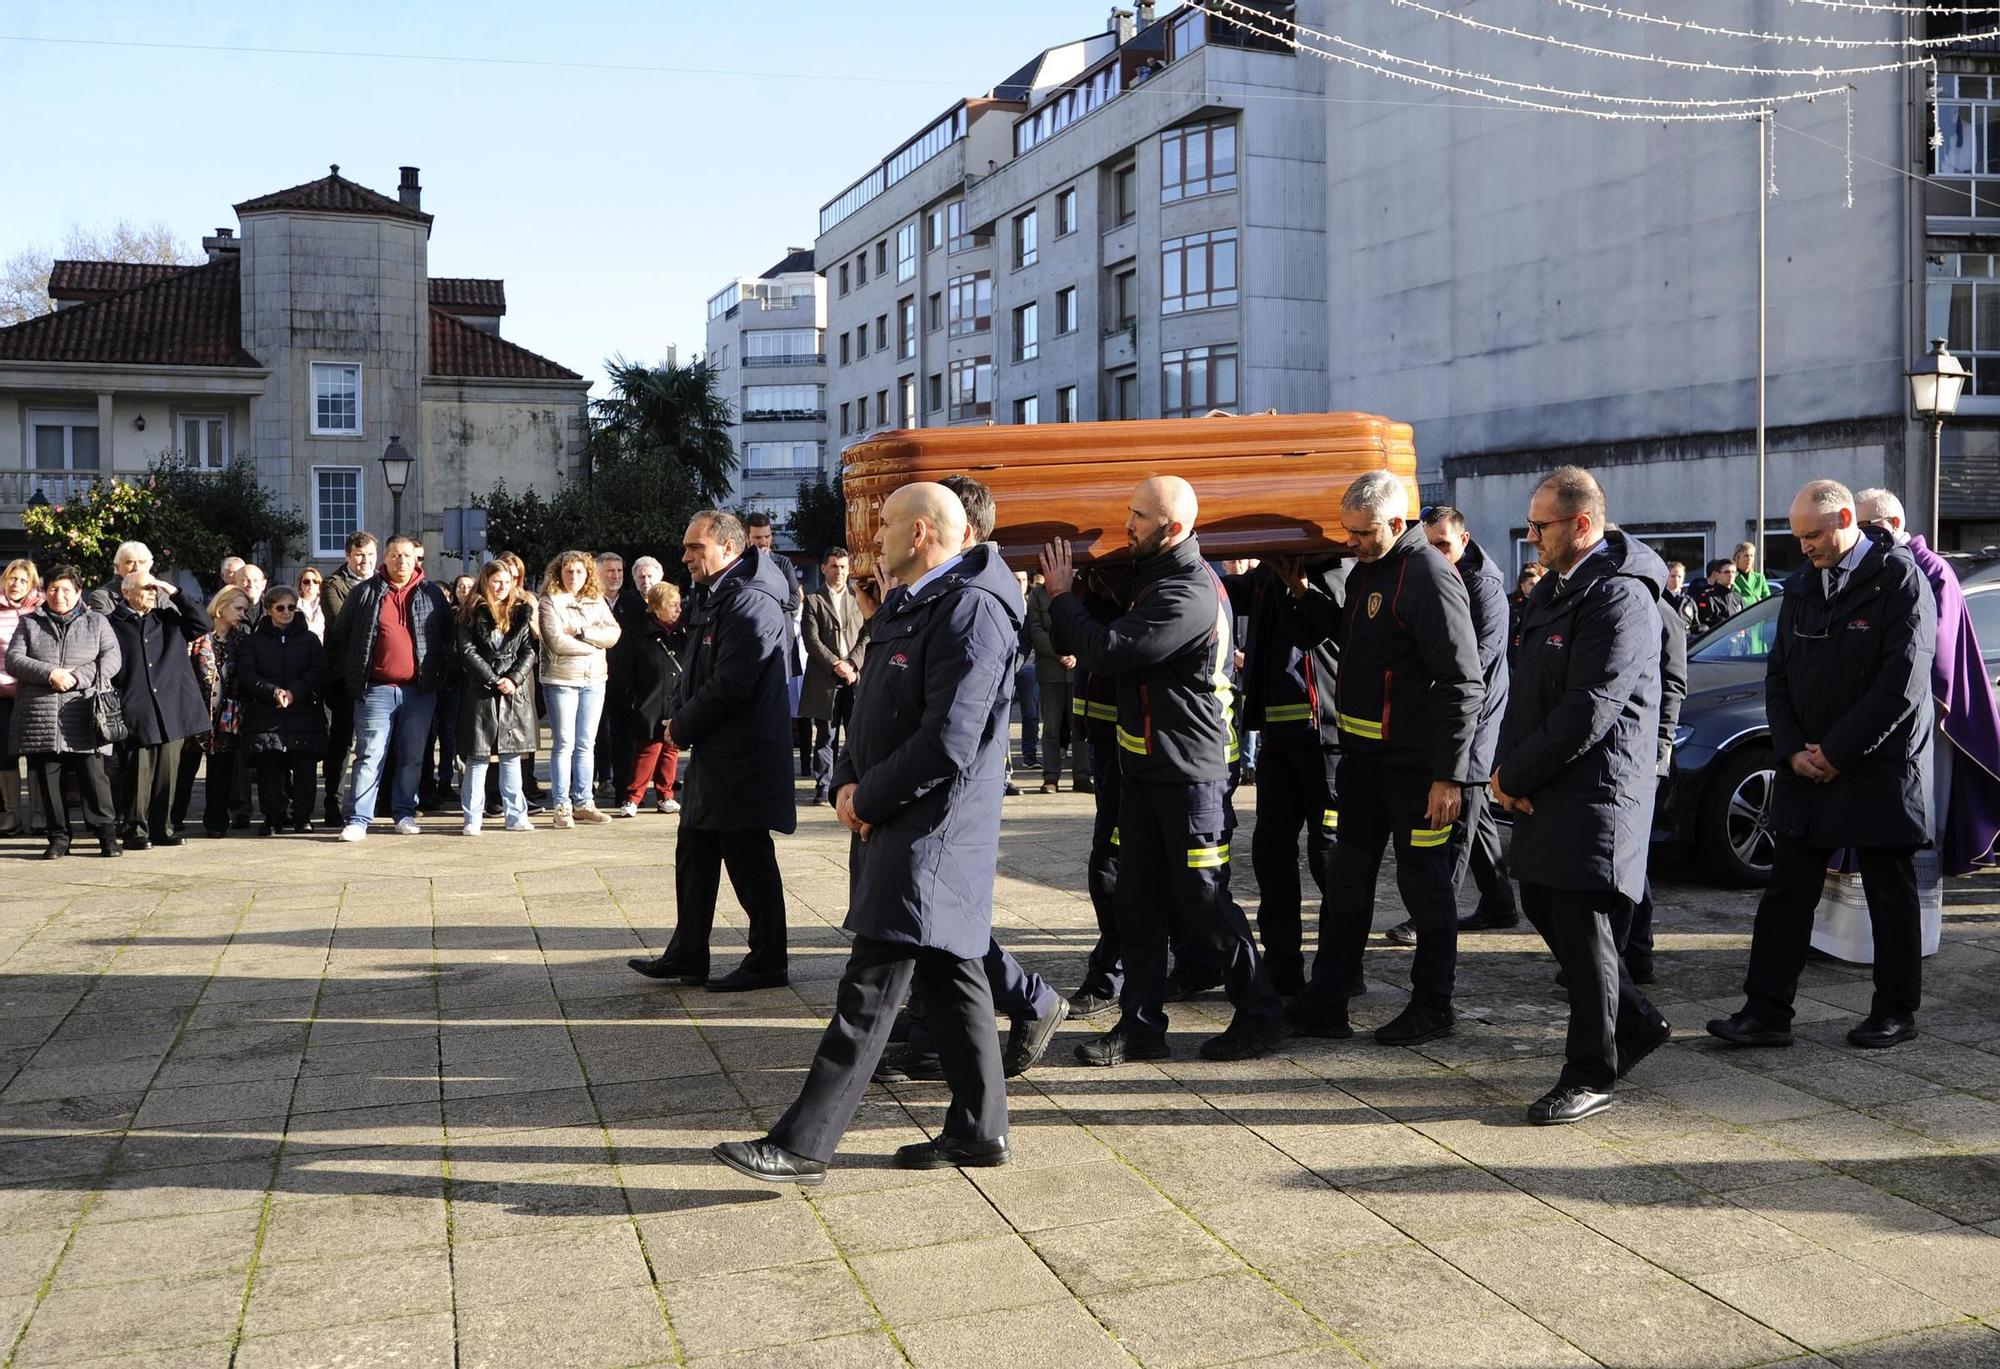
303 826
740 980
56 850
1489 922
1308 1021
1083 1004
948 1152
1630 1054
1742 1029
1013 790
1246 1039
331 812
767 1160
175 840
1117 1047
266 829
901 1065
239 822
1881 1030
1402 934
1028 1041
663 968
1567 1103
1415 1025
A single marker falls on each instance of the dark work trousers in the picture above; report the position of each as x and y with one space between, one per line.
1486 855
339 738
45 773
614 751
1785 921
147 799
826 737
285 787
1380 807
1173 887
1606 1009
1104 976
1294 792
1637 948
699 856
1056 698
877 976
1019 995
443 748
221 768
193 752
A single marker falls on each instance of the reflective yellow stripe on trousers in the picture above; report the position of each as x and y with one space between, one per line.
1208 857
1288 713
1423 837
1360 727
1136 745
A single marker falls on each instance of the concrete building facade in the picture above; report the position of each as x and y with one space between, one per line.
767 346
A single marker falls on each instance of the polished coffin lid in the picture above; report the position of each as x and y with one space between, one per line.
1267 483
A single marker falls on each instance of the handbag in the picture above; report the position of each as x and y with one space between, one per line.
229 717
107 715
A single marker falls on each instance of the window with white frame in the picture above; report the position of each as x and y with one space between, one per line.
336 508
772 345
1066 404
336 400
779 400
1962 305
783 456
1968 121
63 440
204 442
906 251
906 402
1197 379
780 507
1198 271
1028 409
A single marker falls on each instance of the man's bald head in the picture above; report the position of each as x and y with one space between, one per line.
1162 515
1881 509
923 526
1823 520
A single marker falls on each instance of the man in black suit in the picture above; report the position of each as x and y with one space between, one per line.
1847 691
919 785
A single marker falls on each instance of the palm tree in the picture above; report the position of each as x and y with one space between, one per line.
670 414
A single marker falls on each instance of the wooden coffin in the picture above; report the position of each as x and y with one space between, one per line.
1267 483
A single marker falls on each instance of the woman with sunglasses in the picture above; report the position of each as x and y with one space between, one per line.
281 675
312 616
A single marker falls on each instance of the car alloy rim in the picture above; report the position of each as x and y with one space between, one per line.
1749 821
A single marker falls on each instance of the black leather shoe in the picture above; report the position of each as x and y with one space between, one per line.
1182 985
1567 1103
948 1152
1631 1053
901 1065
1083 1004
175 840
107 845
1415 1025
1880 1030
1307 1021
1402 934
331 812
1028 1041
740 980
765 1159
56 850
303 827
663 968
1116 1047
1013 790
1246 1039
267 829
1489 922
138 844
1742 1029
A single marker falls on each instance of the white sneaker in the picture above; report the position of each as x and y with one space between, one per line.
520 824
628 810
563 817
471 829
666 806
354 831
407 827
590 812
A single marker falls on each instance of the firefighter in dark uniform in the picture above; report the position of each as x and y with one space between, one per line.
1407 704
1171 652
1095 709
1288 688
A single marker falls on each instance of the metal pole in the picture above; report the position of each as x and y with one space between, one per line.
395 513
1937 481
1763 174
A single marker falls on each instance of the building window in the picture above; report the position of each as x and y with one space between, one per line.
1970 127
204 441
64 441
784 456
971 303
336 391
935 385
906 328
861 414
1066 404
906 402
336 508
1197 379
860 269
934 230
1125 192
882 257
881 407
845 350
1197 160
779 346
935 308
971 388
1066 309
861 342
959 234
1125 298
845 428
1028 409
1027 332
1962 305
843 278
779 507
1026 245
881 332
784 401
1121 395
1066 212
1198 271
906 252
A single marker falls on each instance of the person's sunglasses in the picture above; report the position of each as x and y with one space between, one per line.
283 608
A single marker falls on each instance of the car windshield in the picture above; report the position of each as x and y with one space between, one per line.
1746 637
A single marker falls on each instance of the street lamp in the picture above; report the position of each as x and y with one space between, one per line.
396 465
1936 382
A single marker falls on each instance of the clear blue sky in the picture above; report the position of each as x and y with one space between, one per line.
612 202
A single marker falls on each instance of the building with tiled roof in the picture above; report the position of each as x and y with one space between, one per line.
308 344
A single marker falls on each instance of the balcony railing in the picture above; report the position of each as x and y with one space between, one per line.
784 415
18 488
790 359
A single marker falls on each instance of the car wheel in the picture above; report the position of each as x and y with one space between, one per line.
1735 825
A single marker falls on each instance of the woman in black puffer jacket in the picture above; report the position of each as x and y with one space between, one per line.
496 711
281 676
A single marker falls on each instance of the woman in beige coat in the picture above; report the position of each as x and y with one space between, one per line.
577 633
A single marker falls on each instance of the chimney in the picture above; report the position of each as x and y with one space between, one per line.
1145 14
409 192
1120 24
224 243
673 356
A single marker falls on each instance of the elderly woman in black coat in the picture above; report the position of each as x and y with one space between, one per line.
163 703
61 655
496 711
281 676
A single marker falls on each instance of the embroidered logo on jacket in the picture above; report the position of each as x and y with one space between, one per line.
900 661
1858 625
1554 639
1374 603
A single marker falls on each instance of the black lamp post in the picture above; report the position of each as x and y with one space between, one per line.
396 465
1936 382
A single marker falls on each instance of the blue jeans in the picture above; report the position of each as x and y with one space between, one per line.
472 790
391 726
573 715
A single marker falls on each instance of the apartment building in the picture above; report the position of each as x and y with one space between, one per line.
766 341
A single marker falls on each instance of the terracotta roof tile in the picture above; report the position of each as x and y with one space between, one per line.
334 194
469 294
459 349
191 318
81 280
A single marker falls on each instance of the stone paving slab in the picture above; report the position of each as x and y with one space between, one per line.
292 1102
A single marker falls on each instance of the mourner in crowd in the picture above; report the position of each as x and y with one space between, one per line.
1715 599
162 703
497 648
281 675
834 646
62 657
356 569
577 634
656 642
20 593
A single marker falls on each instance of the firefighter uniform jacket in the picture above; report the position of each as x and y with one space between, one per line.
1285 679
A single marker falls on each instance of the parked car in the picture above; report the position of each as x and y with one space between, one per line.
1716 803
